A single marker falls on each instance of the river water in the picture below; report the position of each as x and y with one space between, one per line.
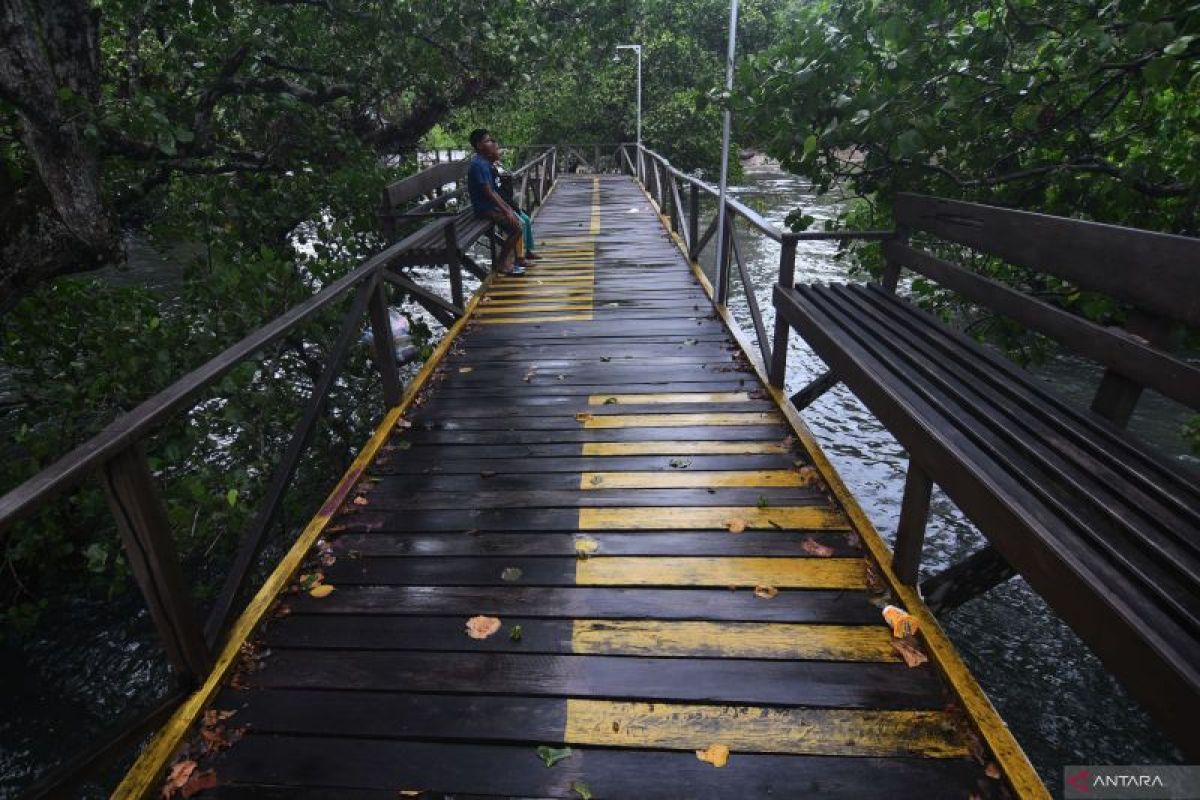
94 664
1059 702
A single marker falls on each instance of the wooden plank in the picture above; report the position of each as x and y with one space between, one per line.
680 448
665 397
679 420
628 543
715 605
785 683
273 764
782 518
781 573
590 481
786 503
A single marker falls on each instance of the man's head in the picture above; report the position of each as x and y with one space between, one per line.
483 143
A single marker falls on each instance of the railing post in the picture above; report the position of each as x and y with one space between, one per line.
150 550
694 220
450 232
385 349
725 258
910 533
779 346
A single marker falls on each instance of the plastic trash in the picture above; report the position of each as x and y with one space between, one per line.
903 624
401 339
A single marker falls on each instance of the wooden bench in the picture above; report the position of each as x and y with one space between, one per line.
443 238
1104 528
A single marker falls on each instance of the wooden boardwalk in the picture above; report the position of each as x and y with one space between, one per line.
579 466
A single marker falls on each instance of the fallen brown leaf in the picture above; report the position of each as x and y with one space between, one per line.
815 548
716 754
583 416
736 525
482 627
199 782
765 592
809 476
910 651
992 771
360 500
177 777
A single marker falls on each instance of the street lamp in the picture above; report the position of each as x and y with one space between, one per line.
722 266
637 48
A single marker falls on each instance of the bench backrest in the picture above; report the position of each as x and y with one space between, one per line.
1157 274
424 183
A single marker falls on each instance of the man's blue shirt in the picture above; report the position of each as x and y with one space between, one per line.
479 175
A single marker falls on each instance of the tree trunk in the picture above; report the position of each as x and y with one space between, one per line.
50 72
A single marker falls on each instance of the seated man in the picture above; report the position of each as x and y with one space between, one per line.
482 186
525 248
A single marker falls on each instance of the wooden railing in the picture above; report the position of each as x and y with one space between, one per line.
667 187
115 457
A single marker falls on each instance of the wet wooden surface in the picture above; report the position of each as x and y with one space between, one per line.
574 470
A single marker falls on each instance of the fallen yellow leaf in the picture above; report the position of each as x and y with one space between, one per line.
765 592
466 369
482 627
324 590
586 545
903 624
583 416
716 754
736 525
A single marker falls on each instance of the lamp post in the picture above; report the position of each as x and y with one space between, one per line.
637 48
722 265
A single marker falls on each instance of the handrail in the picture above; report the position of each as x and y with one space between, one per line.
115 453
652 170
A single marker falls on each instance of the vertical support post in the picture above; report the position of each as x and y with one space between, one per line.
387 222
694 219
724 254
385 349
779 346
150 550
910 533
596 159
541 181
727 122
891 269
452 261
1117 396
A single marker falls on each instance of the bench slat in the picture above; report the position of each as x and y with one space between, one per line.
1158 272
1145 646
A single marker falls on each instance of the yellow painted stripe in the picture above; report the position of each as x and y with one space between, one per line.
782 573
534 307
595 226
681 420
527 320
688 478
525 280
541 294
807 731
783 640
677 448
710 517
521 301
669 397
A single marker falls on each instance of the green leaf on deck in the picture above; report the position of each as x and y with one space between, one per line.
515 633
580 788
553 755
511 574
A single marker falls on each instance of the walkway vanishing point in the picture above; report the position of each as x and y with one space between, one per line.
579 460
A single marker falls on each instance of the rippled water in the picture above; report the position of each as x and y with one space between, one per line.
1055 696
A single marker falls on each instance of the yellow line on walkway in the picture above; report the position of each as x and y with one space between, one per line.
711 518
782 640
782 573
528 307
595 226
668 397
688 478
678 448
807 731
529 320
681 420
